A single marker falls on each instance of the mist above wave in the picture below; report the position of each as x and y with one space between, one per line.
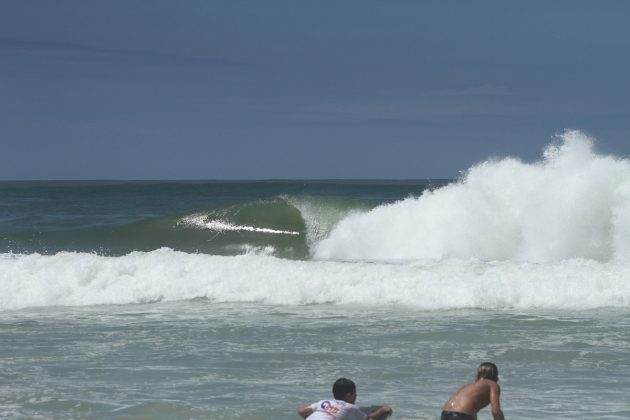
573 203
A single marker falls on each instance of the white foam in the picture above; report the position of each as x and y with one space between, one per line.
204 222
573 203
166 275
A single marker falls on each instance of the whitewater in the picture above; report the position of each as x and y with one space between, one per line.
167 275
573 203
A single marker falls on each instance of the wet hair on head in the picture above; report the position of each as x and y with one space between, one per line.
488 370
342 387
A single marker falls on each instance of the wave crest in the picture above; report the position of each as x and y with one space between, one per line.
573 203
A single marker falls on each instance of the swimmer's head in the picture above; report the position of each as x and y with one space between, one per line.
488 370
345 389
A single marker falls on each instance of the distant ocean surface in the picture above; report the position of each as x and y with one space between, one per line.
247 299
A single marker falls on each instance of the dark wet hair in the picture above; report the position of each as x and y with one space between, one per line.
342 387
488 370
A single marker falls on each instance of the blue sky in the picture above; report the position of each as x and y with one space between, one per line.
296 89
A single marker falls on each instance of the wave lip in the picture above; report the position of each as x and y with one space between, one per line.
77 279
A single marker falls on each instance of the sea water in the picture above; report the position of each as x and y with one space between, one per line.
247 300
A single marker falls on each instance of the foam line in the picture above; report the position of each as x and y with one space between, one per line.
33 280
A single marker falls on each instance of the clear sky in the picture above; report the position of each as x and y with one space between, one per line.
124 89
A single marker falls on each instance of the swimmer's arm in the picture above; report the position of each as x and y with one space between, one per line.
495 404
378 413
305 411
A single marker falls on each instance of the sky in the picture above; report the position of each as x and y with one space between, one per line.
126 89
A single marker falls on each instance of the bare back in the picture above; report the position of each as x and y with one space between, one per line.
473 397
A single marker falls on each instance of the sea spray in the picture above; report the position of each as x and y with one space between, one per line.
573 203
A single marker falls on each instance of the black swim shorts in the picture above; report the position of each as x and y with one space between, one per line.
455 415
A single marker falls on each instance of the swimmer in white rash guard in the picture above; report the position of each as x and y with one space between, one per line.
342 407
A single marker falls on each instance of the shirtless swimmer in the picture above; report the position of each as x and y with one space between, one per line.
466 402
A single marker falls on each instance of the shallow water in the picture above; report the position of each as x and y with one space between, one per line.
196 359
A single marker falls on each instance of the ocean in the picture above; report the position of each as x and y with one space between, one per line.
248 299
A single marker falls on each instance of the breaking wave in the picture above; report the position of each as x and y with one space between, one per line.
573 203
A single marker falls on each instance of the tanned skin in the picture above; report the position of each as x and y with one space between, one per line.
471 398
